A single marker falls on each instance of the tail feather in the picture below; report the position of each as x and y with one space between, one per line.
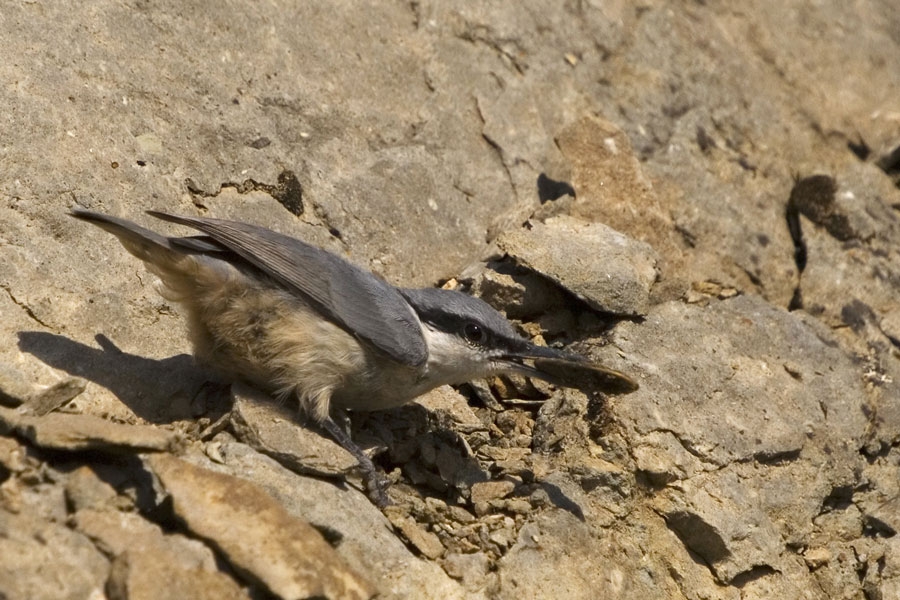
187 274
147 245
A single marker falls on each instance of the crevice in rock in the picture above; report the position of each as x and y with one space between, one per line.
813 197
698 536
493 144
777 457
506 48
792 216
325 219
24 307
687 236
688 447
839 498
744 163
496 147
288 191
753 277
890 164
860 149
705 142
757 572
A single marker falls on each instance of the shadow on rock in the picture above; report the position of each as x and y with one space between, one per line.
159 391
559 499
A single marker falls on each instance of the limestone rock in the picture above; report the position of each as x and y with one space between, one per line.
603 267
255 534
85 432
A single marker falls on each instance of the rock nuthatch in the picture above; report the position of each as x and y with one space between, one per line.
299 321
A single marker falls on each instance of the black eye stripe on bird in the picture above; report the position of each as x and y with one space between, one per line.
328 332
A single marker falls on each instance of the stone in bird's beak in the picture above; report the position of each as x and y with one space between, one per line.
567 370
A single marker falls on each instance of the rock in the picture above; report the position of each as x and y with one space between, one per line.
839 212
612 187
843 524
484 492
491 490
14 387
663 459
273 429
85 490
471 569
12 456
451 410
515 423
886 515
513 124
425 541
460 514
726 425
42 560
420 134
517 292
505 535
367 540
702 516
455 468
833 576
892 567
849 283
567 251
255 534
743 404
148 564
548 559
86 432
816 557
55 396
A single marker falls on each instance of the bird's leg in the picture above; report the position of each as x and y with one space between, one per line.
376 483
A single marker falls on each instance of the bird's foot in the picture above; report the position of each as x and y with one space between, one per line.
376 483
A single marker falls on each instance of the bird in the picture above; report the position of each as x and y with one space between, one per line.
301 322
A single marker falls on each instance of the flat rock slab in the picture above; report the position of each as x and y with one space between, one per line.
273 429
719 519
84 432
368 542
255 534
42 560
739 380
727 389
55 396
557 556
610 271
150 565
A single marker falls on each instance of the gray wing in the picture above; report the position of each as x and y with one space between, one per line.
347 295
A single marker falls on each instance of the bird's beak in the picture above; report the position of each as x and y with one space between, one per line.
567 370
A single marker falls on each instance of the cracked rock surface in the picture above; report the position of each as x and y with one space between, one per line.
701 196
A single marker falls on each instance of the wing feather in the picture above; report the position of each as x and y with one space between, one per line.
349 296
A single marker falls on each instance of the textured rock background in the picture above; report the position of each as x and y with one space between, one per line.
438 140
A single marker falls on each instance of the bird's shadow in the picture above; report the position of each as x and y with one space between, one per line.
159 391
167 390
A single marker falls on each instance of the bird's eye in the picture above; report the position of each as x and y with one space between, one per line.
474 333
